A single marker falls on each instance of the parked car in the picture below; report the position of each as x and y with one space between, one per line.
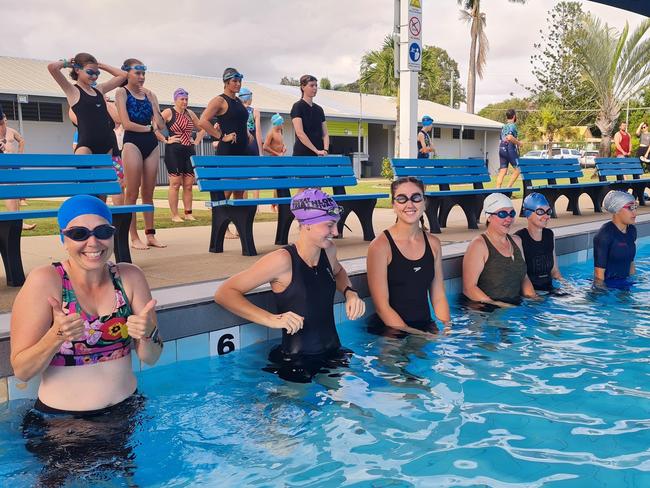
564 153
535 155
588 159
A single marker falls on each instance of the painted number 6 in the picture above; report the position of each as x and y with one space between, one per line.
225 344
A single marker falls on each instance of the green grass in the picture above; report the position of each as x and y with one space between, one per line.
50 226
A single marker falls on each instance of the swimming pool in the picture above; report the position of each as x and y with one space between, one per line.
548 394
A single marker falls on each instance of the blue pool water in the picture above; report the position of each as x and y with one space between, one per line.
552 394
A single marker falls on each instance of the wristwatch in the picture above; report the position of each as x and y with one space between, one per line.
347 289
154 336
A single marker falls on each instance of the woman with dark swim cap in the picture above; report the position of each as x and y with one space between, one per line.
494 270
304 278
405 266
538 243
615 242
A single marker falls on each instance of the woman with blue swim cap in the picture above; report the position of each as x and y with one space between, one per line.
304 277
615 242
538 243
74 324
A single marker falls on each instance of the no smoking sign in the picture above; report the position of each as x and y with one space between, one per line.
415 26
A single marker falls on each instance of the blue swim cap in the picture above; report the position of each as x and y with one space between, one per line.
532 202
427 121
277 120
245 93
82 205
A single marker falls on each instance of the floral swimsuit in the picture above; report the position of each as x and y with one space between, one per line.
105 338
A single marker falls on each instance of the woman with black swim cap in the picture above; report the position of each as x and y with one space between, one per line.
405 266
304 278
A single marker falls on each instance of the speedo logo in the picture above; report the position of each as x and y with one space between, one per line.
417 268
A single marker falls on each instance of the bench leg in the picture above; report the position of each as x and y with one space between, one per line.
574 202
364 210
220 221
432 209
121 248
638 189
10 233
597 195
446 204
243 218
285 218
551 196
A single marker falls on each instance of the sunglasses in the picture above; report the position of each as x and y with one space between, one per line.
80 234
502 214
415 198
540 211
92 72
631 207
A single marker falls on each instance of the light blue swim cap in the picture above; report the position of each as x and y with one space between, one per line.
276 120
245 93
82 205
532 202
615 200
427 121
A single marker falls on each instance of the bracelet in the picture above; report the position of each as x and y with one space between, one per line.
65 62
347 289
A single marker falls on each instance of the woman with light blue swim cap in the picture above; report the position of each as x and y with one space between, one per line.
425 147
538 243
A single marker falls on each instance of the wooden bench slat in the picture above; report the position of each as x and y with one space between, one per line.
52 212
59 190
471 171
437 163
55 175
286 200
618 172
273 184
278 172
55 160
257 161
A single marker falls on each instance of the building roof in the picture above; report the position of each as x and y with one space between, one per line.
30 77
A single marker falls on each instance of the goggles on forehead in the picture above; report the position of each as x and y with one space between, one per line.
332 212
236 76
137 67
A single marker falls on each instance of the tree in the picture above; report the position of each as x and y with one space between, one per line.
497 111
325 83
556 65
289 81
479 46
615 64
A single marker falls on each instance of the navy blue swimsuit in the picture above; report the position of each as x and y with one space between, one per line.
614 250
140 112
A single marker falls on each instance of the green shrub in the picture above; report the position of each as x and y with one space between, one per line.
387 169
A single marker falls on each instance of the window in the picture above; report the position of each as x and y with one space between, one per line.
436 132
50 112
9 108
29 111
33 111
468 134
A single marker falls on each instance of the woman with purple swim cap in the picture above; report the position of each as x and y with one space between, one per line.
304 278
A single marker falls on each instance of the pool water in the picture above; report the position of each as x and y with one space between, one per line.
552 393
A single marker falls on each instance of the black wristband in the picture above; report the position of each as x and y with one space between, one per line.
349 288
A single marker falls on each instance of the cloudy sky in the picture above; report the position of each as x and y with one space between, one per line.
269 39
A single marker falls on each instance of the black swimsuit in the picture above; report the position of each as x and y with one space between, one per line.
140 112
234 120
94 123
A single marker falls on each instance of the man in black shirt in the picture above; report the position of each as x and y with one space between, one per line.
309 123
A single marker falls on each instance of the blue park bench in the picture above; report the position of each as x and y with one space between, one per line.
552 170
217 174
627 173
446 172
56 175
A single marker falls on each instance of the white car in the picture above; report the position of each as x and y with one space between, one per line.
588 159
564 153
535 155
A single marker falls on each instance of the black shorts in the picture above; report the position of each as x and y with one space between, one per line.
146 142
508 154
177 159
301 368
641 151
229 149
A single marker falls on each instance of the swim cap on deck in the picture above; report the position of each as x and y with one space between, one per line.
427 121
615 200
180 93
245 93
82 205
312 206
494 201
277 120
532 202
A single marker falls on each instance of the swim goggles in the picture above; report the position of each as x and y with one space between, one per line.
631 207
540 211
415 198
502 214
332 212
137 67
92 72
80 234
236 76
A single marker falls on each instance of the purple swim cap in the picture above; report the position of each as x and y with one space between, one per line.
312 206
180 93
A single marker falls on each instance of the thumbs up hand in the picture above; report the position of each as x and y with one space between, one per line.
68 327
141 325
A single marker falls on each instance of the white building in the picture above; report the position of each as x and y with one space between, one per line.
35 105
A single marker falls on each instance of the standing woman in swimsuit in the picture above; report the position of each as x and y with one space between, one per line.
86 100
232 117
181 123
494 269
304 278
140 116
405 266
73 325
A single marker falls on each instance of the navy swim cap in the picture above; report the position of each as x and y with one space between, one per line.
82 205
532 202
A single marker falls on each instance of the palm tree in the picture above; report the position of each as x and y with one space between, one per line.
479 46
616 66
